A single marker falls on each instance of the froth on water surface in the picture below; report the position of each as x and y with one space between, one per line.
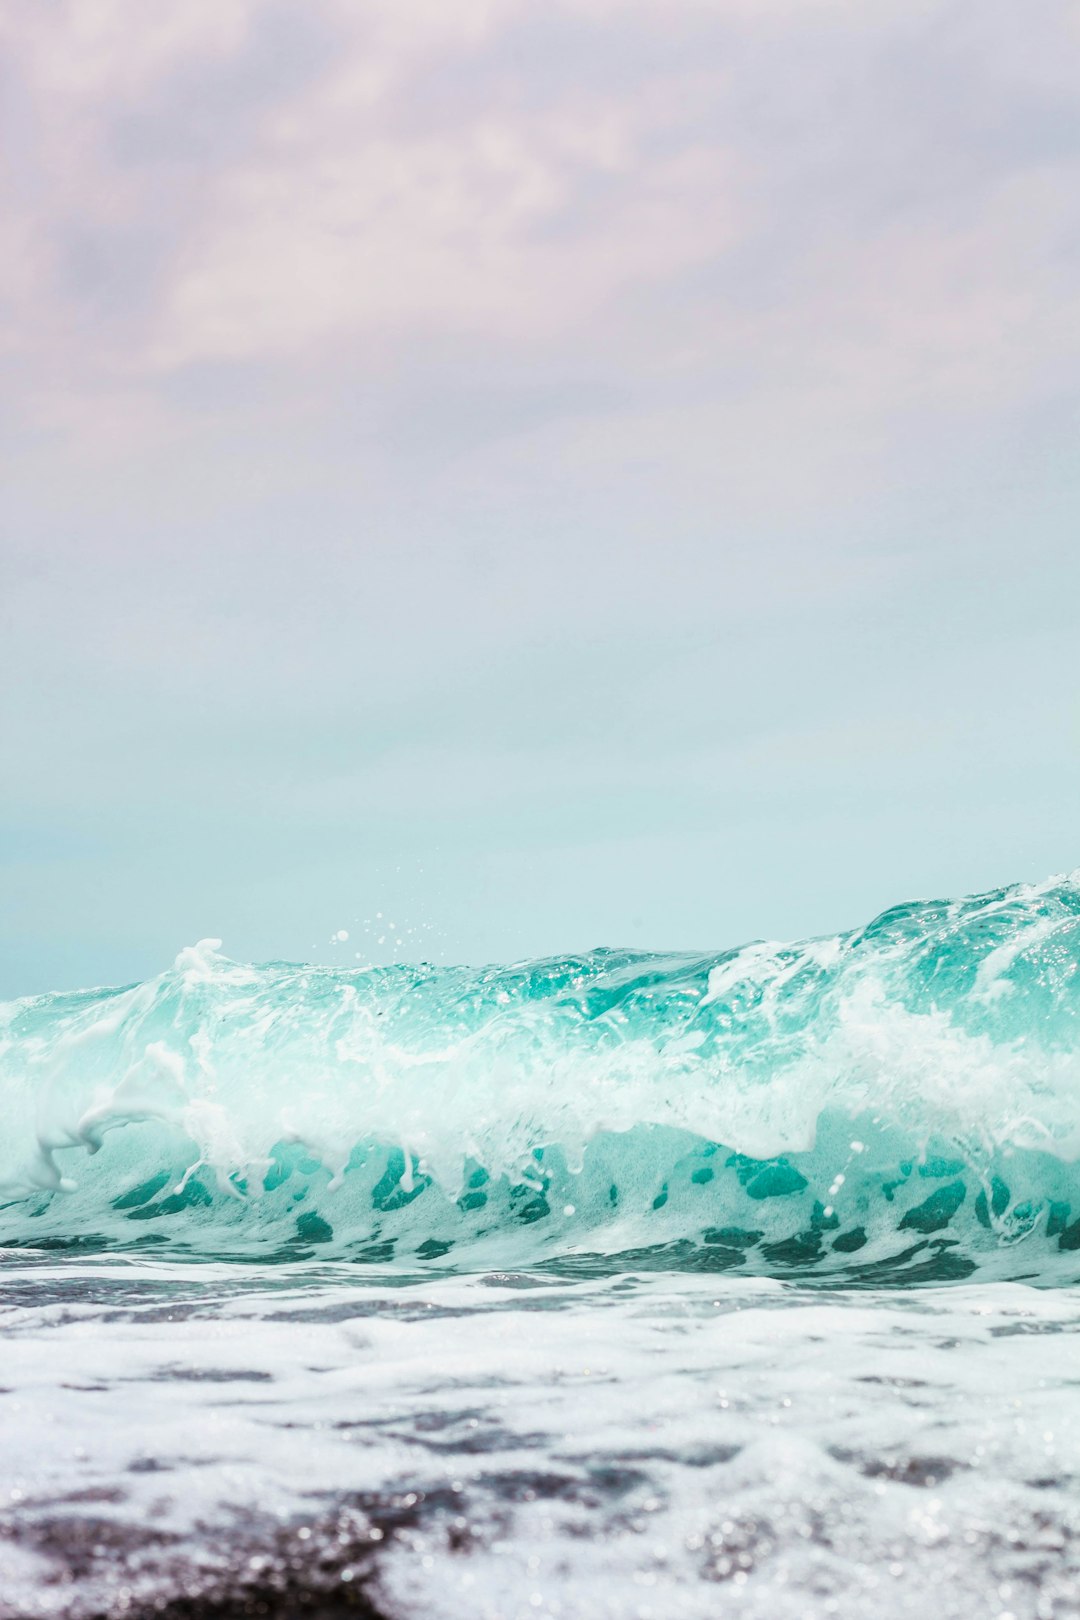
209 1439
617 1285
903 1099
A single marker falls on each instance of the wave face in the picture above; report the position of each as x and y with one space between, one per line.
901 1102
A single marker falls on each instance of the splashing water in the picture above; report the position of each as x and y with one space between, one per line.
395 1291
901 1102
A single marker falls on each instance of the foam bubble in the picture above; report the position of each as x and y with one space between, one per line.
846 1097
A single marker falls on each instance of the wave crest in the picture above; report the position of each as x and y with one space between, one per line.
903 1095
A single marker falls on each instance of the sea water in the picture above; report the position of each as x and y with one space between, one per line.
612 1285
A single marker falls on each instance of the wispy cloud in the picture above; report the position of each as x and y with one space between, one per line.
393 393
705 199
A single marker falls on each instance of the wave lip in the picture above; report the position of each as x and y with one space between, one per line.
902 1099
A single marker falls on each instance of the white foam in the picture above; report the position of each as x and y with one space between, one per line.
595 1451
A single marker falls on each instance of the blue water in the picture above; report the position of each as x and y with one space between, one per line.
608 1287
901 1101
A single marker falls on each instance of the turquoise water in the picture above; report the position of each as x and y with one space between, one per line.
896 1103
608 1287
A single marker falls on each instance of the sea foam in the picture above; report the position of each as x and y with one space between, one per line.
902 1100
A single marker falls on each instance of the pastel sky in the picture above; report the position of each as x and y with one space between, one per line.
551 472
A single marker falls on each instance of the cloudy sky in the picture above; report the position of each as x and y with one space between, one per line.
550 472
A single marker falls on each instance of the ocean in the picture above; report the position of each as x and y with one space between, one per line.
618 1285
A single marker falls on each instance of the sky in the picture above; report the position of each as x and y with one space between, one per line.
533 473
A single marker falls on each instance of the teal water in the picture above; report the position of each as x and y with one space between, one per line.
606 1287
896 1103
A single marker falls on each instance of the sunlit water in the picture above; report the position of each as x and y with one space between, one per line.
618 1285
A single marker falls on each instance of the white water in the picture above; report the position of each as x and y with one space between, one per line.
507 1446
563 1357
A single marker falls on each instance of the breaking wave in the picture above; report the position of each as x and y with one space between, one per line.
898 1102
